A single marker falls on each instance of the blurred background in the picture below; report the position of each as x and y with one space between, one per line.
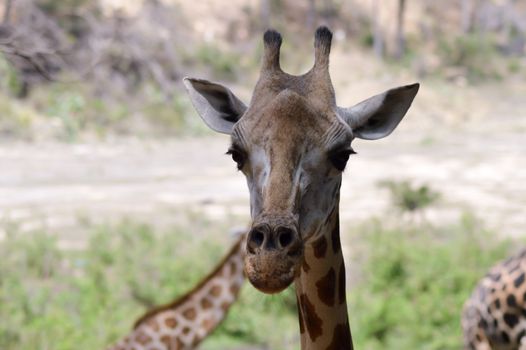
115 197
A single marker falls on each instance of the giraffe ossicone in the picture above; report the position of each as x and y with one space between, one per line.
292 143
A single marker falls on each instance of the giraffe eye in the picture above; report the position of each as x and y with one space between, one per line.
237 156
339 158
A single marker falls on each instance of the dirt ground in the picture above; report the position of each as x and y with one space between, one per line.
466 141
62 186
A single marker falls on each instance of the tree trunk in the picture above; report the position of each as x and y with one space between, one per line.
7 11
467 9
378 40
265 14
311 15
400 37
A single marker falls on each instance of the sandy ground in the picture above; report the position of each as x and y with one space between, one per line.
60 186
468 142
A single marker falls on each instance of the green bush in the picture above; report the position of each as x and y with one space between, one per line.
408 287
408 197
79 111
223 65
415 281
476 53
52 298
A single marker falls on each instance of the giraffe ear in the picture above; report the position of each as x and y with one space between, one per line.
217 105
379 115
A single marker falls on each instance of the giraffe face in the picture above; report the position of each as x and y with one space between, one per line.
292 155
292 143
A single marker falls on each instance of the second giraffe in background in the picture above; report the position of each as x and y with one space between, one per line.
494 317
185 322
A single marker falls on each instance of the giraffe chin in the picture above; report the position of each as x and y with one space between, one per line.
268 273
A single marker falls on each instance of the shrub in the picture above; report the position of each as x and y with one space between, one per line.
407 292
408 197
415 281
51 298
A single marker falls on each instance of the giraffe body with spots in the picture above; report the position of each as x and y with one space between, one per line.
185 322
494 317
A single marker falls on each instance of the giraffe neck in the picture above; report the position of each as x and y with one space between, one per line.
320 292
185 322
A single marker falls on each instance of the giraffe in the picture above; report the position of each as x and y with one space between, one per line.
494 317
292 143
185 322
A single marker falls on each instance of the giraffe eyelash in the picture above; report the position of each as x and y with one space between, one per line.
237 155
340 157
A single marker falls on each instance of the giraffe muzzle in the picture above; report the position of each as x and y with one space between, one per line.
264 237
273 256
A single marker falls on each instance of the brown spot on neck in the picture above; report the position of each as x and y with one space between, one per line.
320 247
234 289
330 216
312 321
170 322
341 339
300 316
327 288
305 266
341 284
165 339
215 291
190 314
206 303
335 236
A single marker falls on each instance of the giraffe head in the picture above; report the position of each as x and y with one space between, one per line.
292 143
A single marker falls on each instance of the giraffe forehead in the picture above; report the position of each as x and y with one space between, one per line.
288 117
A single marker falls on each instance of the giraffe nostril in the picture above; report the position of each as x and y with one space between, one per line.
285 236
258 237
255 239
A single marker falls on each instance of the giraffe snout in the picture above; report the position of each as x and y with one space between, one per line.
264 237
273 255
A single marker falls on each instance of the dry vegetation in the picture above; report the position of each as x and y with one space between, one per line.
88 69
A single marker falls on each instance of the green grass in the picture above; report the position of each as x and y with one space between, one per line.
477 53
146 112
415 281
54 299
409 198
409 285
71 110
